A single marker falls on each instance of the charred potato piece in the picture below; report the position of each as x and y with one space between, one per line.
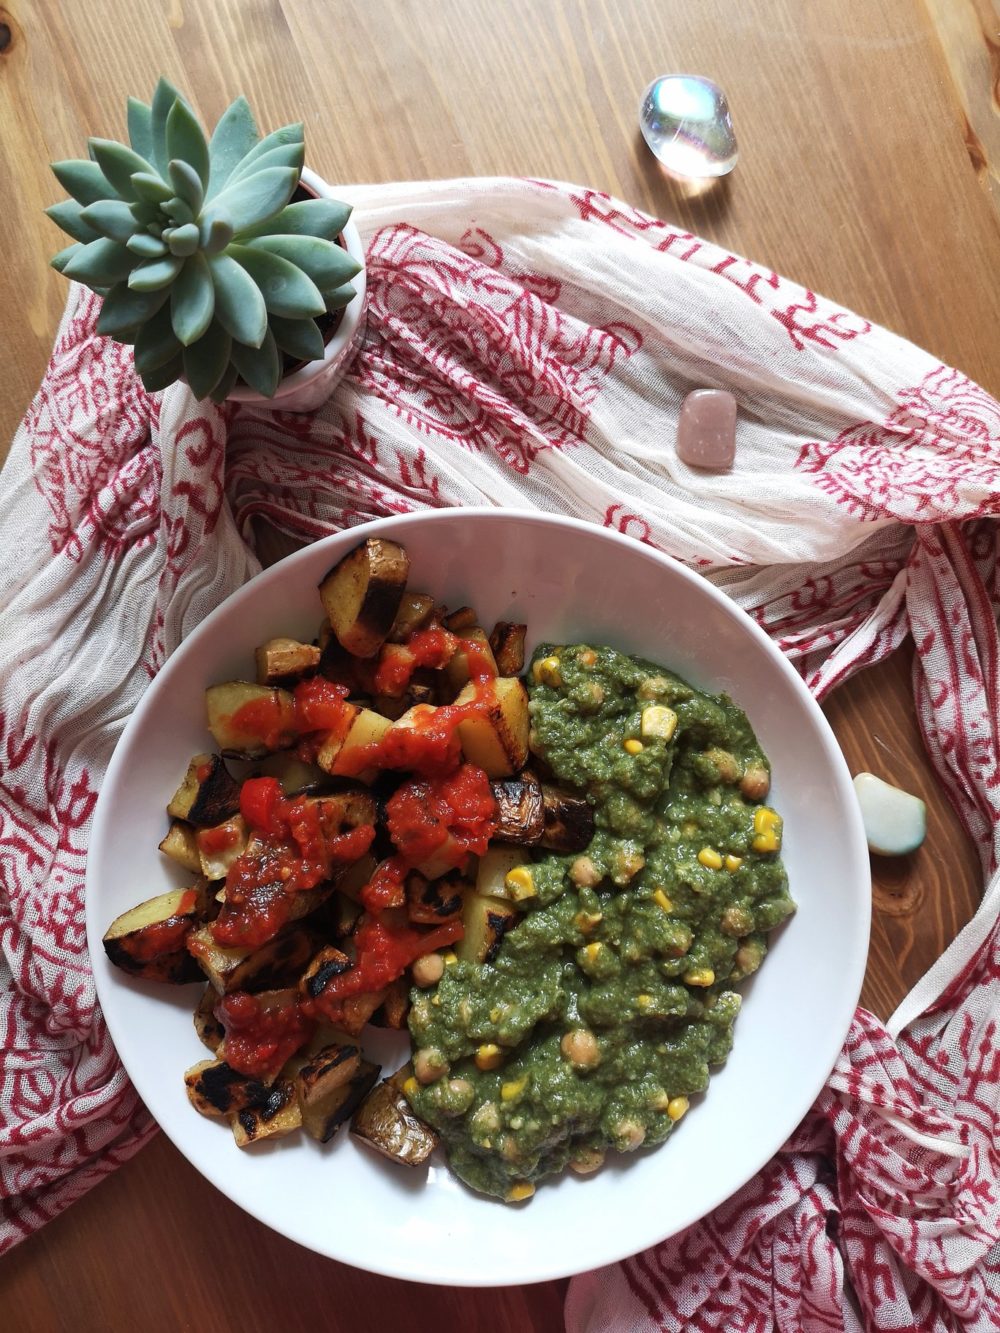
386 1122
431 902
494 866
149 940
356 876
215 1089
323 967
461 620
368 728
273 964
248 720
210 1031
507 642
414 612
362 593
569 821
345 809
290 771
281 661
476 660
393 1010
208 795
277 1115
486 922
181 846
497 739
331 1087
335 662
520 810
219 847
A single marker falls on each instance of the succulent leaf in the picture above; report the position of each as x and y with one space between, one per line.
286 289
154 274
187 184
140 128
62 258
234 136
327 264
84 180
285 155
179 210
156 343
226 385
164 98
216 235
184 240
259 366
119 164
325 218
276 139
186 140
254 198
146 246
300 338
205 361
68 215
193 300
162 376
111 217
150 191
100 263
125 310
239 303
339 297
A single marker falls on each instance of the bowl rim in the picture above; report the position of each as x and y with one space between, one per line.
831 1040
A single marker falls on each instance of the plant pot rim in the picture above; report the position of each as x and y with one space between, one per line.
300 383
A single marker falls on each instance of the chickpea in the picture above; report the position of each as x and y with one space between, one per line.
429 1065
629 1135
486 1120
736 921
586 1160
748 958
627 866
457 1096
584 873
725 765
652 687
587 657
755 782
429 970
579 1046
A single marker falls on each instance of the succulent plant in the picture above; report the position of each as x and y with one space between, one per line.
204 264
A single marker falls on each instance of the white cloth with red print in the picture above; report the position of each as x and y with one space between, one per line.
529 344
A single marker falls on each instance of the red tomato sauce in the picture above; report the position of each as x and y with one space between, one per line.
262 1034
163 937
434 647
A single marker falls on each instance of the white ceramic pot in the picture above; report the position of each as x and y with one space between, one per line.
306 389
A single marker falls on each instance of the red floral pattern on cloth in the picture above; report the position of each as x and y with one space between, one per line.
529 344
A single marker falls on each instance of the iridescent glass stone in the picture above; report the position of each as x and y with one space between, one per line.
685 121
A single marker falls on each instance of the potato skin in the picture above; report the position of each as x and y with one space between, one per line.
362 592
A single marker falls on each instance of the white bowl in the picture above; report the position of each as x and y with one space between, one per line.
568 581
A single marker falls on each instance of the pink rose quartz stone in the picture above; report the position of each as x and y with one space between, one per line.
706 432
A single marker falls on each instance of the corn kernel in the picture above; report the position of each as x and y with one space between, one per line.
436 1001
733 863
767 829
496 1015
519 1192
633 747
659 721
709 857
520 883
488 1056
676 1107
699 976
509 1091
661 899
643 1002
546 672
593 951
450 959
411 1086
587 921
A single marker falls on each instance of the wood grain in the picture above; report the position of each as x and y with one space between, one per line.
868 166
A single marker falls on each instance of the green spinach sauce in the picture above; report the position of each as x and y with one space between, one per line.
612 998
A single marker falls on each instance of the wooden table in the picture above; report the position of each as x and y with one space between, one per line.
868 171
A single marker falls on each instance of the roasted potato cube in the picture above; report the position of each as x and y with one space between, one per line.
368 728
356 876
250 720
294 775
473 662
387 1123
393 1010
507 642
486 922
215 1089
331 1087
181 846
277 1115
219 847
520 810
496 739
149 939
362 593
281 661
414 612
461 620
210 1031
208 795
429 902
273 964
569 821
323 967
356 1010
494 866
